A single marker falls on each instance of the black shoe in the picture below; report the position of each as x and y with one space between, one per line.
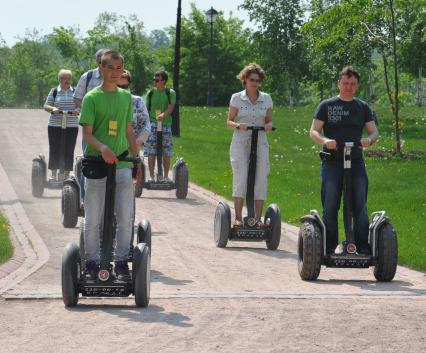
90 271
122 270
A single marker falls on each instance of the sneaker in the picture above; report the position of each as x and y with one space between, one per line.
238 223
151 180
167 180
122 270
90 270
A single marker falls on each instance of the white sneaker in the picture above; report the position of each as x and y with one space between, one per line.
151 180
167 180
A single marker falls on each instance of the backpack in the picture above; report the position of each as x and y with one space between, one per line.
89 77
149 97
55 93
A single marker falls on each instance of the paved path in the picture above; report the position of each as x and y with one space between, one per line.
242 298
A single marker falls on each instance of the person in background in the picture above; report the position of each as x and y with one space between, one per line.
160 102
59 100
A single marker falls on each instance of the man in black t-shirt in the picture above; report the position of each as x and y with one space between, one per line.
338 120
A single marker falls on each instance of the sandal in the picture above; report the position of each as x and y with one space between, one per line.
238 223
260 224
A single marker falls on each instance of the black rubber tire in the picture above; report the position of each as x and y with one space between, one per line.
70 274
78 169
273 214
144 233
141 275
387 254
70 206
222 225
38 179
309 251
81 239
181 180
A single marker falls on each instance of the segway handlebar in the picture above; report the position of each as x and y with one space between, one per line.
99 159
258 128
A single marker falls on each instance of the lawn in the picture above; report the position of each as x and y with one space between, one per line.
6 248
396 185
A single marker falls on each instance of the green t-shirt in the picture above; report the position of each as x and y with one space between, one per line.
109 113
159 101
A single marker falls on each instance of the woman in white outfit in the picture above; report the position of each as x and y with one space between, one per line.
249 107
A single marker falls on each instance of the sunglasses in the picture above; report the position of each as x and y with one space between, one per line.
123 86
157 80
254 80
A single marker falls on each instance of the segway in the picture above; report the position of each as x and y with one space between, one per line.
106 284
269 231
382 239
71 203
39 179
180 172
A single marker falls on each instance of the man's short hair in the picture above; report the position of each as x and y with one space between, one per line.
163 74
126 74
111 54
349 71
99 53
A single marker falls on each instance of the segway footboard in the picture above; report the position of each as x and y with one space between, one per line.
348 261
249 233
110 288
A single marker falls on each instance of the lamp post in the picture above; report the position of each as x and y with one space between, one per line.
211 16
176 117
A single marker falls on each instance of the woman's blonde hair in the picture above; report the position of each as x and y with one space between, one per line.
249 69
63 72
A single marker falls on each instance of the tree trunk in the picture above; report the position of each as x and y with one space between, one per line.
420 98
395 65
388 90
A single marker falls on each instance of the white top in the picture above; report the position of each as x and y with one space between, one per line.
250 114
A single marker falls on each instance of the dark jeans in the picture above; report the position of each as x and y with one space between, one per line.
331 192
55 157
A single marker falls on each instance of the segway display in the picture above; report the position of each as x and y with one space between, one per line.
106 284
39 180
180 172
71 203
382 239
269 231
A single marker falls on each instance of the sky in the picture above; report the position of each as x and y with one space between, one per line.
16 16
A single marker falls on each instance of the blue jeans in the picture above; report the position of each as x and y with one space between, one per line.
331 192
94 212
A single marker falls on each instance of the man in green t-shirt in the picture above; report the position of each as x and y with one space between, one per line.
160 102
106 117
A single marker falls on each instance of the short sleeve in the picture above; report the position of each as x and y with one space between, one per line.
172 97
49 99
269 103
368 113
321 112
87 115
234 101
129 117
80 90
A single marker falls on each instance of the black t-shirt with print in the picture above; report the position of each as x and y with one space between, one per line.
344 121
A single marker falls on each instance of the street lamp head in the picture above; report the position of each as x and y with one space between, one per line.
211 15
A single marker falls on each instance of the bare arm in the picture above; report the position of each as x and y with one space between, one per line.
108 155
316 135
373 134
268 120
134 150
50 108
232 113
167 113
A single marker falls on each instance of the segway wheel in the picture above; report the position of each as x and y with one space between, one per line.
182 181
70 207
141 267
222 224
37 179
309 251
273 217
70 274
387 254
144 233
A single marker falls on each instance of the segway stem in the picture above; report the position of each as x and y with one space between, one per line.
159 148
347 194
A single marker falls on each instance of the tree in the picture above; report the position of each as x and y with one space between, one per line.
279 42
231 51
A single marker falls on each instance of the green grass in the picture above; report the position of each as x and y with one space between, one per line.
395 185
6 248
